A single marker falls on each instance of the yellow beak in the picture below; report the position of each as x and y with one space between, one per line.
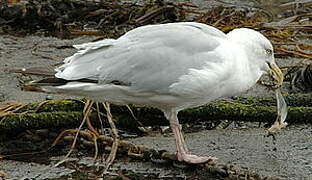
276 74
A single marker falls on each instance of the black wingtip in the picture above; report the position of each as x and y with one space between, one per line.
53 81
36 85
48 82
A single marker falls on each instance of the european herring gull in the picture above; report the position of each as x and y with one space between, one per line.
168 66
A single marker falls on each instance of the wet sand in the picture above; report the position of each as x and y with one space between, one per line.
289 158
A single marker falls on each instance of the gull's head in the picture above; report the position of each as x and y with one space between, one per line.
259 51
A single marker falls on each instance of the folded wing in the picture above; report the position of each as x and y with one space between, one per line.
151 58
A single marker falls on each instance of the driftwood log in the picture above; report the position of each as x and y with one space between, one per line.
68 113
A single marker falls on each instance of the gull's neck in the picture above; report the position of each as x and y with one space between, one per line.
248 68
249 49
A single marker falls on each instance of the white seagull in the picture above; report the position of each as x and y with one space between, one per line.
171 67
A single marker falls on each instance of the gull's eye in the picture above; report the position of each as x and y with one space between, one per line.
268 51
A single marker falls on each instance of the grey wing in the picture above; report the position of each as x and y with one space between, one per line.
149 58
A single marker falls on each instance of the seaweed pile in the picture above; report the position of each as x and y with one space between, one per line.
67 19
300 78
75 17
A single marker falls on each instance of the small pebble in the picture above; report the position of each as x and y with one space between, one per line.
42 132
49 97
165 129
180 165
87 143
68 138
3 175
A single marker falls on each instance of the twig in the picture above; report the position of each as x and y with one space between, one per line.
91 128
99 116
152 14
87 112
115 135
294 53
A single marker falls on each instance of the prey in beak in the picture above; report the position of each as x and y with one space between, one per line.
278 78
276 74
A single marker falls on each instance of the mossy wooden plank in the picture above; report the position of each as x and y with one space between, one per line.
150 116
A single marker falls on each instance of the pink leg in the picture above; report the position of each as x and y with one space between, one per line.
182 139
182 152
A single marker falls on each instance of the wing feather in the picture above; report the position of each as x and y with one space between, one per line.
150 58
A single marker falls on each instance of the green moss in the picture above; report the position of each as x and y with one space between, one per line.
19 122
53 105
230 111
